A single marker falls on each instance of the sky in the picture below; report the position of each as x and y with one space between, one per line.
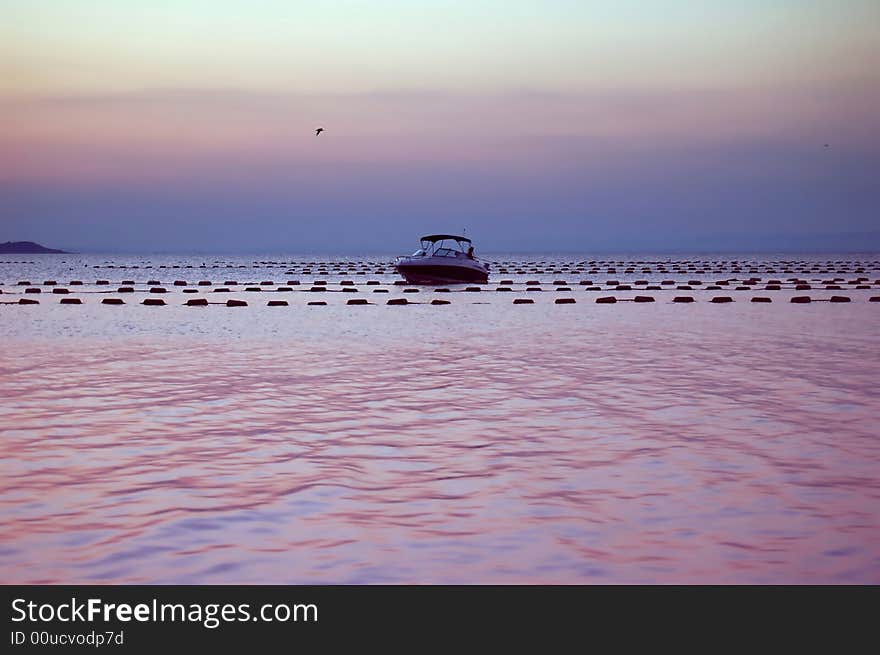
545 125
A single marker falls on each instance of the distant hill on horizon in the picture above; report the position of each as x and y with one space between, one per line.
27 248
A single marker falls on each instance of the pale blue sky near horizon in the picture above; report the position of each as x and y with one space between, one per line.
538 126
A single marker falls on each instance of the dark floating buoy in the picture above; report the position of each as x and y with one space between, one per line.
190 291
761 299
800 299
473 289
158 290
33 290
60 290
503 289
721 299
441 290
357 301
180 283
221 290
276 303
437 301
28 301
49 283
643 299
125 290
523 301
874 299
197 302
397 301
683 299
840 299
76 283
318 289
410 290
112 301
380 290
236 303
317 303
802 287
154 302
204 283
102 283
606 300
565 301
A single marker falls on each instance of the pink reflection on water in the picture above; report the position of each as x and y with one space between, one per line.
618 454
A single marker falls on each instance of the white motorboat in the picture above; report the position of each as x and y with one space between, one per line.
443 259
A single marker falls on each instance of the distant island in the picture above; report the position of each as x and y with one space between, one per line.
26 248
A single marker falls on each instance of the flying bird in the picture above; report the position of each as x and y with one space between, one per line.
318 131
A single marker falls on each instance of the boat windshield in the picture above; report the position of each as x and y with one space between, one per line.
418 253
446 252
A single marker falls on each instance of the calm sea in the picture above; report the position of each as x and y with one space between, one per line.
479 441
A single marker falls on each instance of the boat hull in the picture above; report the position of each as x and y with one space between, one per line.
432 273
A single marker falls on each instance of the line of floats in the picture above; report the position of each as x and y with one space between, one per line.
740 275
203 302
23 292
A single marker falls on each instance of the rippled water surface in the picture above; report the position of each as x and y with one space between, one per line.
479 441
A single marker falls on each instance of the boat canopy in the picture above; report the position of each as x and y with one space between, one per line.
434 238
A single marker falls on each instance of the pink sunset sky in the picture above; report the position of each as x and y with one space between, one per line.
127 126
